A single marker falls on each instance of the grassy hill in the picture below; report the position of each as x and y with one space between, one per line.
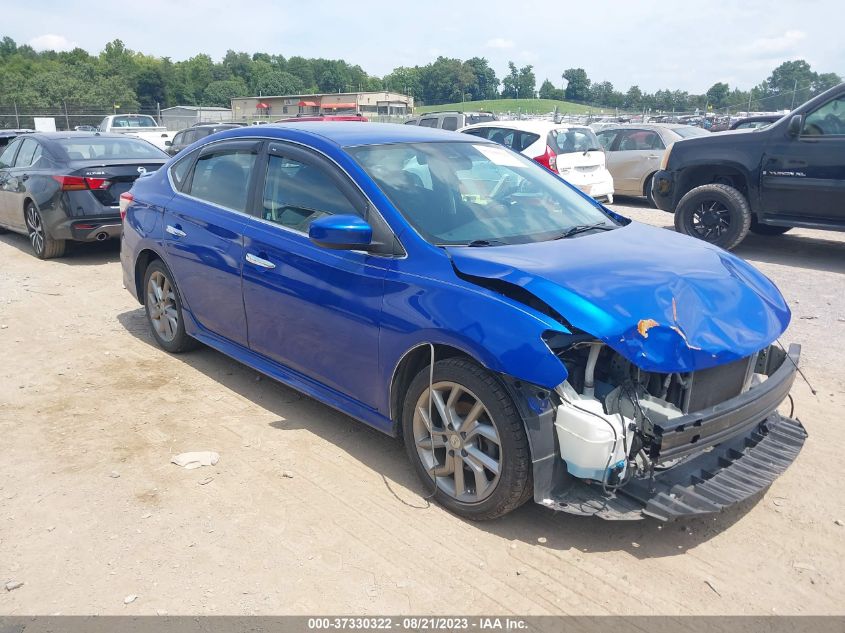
528 106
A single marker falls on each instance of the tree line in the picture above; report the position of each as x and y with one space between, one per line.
133 80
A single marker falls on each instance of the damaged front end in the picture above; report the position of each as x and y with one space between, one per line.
618 442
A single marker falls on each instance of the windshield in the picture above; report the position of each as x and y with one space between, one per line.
475 193
574 139
688 131
134 121
98 147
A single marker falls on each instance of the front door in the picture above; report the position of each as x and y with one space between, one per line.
203 233
803 177
312 309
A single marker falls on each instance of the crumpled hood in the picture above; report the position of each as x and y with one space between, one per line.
666 302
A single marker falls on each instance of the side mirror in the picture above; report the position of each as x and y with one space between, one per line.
341 232
168 143
795 125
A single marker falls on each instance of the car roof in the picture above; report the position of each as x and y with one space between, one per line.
646 126
353 133
528 126
57 136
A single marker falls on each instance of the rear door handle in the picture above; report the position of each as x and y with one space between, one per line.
175 231
258 261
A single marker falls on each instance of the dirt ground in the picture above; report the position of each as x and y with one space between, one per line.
309 511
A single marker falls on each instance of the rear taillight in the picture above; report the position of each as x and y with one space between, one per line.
125 200
77 183
548 160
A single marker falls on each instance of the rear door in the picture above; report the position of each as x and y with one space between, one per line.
634 154
7 163
803 178
309 308
203 227
17 179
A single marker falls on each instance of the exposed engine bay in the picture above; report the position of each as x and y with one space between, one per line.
615 422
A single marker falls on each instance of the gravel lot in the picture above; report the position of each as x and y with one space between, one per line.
310 512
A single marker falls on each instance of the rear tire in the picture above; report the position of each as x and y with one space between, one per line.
43 245
715 213
483 464
163 307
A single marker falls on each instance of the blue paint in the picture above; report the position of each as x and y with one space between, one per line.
336 323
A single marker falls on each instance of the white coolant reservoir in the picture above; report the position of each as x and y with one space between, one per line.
592 442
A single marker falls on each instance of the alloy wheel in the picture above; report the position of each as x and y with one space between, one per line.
458 444
35 229
710 220
161 304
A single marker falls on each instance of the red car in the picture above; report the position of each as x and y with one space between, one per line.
325 117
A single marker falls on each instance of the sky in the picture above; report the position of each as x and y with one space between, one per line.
653 44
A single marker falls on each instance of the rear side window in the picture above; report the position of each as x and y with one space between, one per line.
450 123
30 152
606 138
222 177
639 140
297 193
428 122
180 170
472 119
516 140
8 155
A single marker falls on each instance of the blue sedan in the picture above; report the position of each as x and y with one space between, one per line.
523 340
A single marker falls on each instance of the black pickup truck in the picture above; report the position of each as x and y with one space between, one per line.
768 180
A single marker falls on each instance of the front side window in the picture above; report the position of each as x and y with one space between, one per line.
827 120
469 193
297 193
639 140
222 177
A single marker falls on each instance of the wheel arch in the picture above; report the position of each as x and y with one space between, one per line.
410 364
725 173
146 257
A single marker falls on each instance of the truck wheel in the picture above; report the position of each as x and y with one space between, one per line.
768 229
715 213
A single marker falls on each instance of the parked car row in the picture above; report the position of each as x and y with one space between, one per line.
62 186
450 289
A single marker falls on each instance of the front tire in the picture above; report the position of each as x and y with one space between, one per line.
473 450
43 245
715 213
163 306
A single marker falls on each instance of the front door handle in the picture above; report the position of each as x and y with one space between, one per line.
258 261
174 231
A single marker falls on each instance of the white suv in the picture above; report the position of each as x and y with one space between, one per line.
573 152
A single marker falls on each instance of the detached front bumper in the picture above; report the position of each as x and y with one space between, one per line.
708 461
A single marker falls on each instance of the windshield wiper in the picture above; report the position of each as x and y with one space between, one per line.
485 243
592 149
580 228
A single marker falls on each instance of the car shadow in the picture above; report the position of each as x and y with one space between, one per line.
530 524
77 253
794 249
